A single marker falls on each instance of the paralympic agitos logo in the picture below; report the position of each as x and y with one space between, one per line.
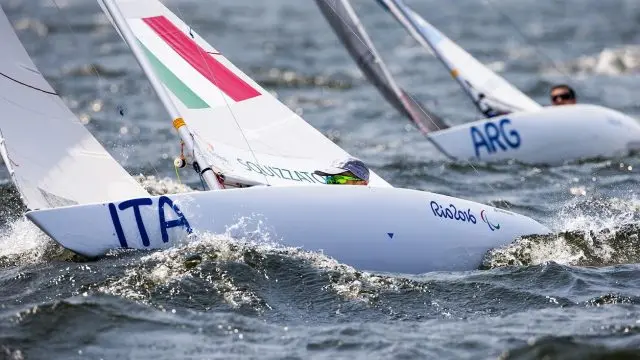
493 227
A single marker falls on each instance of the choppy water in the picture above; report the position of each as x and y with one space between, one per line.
573 295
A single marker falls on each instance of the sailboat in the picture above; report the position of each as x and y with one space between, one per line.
514 127
255 154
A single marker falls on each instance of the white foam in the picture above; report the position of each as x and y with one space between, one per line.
603 214
531 252
23 243
165 268
596 220
161 186
592 214
608 62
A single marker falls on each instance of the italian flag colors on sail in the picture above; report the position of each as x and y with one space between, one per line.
187 69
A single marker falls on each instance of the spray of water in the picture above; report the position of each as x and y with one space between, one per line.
595 232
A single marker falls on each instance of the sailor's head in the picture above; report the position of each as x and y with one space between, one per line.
349 171
562 94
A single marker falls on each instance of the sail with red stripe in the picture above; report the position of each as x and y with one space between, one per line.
246 133
207 66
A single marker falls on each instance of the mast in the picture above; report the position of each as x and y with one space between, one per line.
390 80
405 19
346 24
178 123
369 44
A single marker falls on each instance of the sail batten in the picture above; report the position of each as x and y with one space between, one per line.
490 93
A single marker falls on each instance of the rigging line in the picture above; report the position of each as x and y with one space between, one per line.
178 175
68 23
425 113
527 40
4 152
121 109
27 85
122 112
224 97
204 187
3 146
482 96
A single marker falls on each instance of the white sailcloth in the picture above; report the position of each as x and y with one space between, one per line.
53 159
245 132
492 94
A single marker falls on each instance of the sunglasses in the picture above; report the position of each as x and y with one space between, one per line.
565 96
340 179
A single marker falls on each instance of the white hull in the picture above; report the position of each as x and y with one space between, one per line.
553 135
380 229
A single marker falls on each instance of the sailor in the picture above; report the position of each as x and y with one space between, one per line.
349 171
562 95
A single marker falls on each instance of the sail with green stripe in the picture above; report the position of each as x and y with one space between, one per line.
189 98
247 135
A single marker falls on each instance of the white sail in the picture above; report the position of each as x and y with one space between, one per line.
491 94
246 134
52 158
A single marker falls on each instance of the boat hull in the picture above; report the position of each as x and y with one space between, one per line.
553 135
379 229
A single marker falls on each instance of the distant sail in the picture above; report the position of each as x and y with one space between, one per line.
248 135
491 94
350 31
52 158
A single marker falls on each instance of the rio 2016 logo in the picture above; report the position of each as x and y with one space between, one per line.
451 212
493 227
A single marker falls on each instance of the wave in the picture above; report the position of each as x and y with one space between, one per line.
595 232
617 61
575 347
280 78
22 243
238 271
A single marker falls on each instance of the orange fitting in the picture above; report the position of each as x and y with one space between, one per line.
178 123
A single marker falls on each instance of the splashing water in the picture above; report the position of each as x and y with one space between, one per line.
161 186
207 262
596 232
612 62
23 243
